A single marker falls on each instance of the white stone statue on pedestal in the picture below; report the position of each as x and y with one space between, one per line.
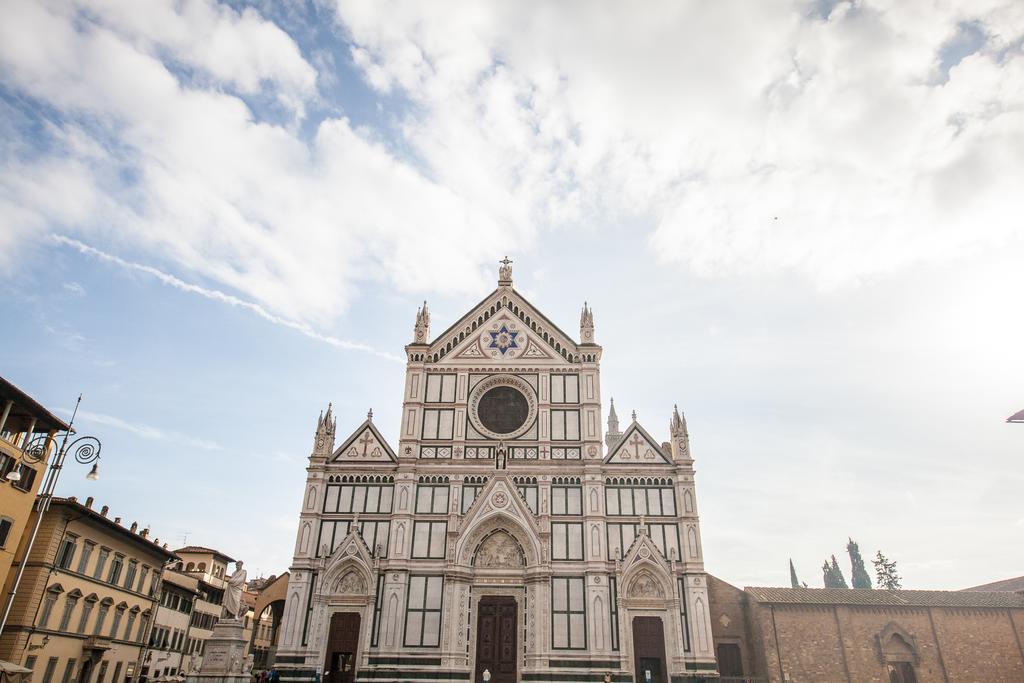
234 608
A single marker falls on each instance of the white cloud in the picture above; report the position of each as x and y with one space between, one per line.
146 431
74 288
756 137
139 157
751 138
215 295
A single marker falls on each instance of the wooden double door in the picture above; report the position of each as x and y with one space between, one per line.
342 648
496 639
649 650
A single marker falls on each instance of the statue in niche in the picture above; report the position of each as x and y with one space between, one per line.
499 551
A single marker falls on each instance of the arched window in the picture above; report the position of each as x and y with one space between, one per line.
202 566
899 653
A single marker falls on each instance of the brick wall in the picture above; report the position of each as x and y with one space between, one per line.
841 642
980 645
729 622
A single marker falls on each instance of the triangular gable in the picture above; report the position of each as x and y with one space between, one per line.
504 326
365 445
644 550
499 506
499 495
352 547
504 337
350 554
646 575
637 447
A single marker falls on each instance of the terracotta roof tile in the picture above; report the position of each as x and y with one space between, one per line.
1016 584
201 549
883 598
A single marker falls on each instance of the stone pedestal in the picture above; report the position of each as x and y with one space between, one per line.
224 656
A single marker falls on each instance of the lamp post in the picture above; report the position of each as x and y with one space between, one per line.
86 450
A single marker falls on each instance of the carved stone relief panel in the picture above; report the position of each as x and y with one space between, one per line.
499 550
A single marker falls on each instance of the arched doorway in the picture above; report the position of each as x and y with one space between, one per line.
497 559
496 640
649 650
342 648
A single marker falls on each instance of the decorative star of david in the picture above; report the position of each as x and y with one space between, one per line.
503 340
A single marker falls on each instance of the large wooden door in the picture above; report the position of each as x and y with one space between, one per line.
342 648
496 639
649 650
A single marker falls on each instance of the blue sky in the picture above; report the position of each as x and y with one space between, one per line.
799 221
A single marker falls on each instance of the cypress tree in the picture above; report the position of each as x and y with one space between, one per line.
792 575
837 575
858 574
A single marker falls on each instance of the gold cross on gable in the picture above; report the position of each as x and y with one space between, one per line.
366 441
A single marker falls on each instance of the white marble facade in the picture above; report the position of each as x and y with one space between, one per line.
503 486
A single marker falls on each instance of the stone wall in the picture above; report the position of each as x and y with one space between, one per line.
819 641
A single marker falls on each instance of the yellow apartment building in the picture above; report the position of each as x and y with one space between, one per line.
22 419
82 612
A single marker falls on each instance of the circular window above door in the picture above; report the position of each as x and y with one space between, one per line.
502 407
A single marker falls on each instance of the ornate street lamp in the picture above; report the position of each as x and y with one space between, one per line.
86 450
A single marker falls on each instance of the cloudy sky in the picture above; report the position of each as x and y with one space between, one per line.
800 221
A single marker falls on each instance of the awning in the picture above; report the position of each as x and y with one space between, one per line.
13 673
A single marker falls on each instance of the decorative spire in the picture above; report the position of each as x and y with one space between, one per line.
586 324
613 435
421 334
323 441
505 272
680 436
678 423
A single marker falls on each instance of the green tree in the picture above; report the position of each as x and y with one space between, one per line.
885 573
795 582
833 575
837 574
858 574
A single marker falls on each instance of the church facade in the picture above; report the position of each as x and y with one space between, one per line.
504 537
